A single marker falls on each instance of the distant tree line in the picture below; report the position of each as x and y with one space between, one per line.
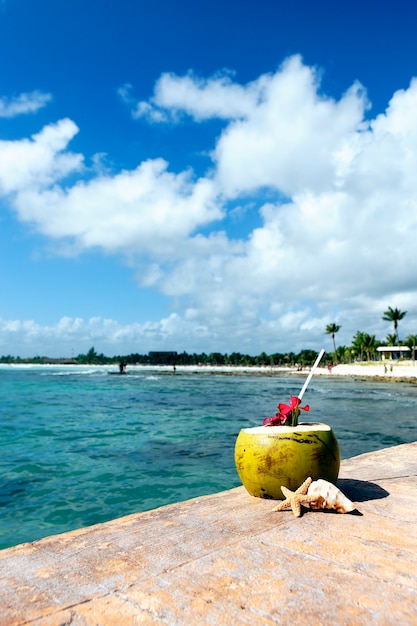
303 358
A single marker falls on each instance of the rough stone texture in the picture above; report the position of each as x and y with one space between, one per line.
228 559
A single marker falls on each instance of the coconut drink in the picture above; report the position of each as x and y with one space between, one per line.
284 453
269 457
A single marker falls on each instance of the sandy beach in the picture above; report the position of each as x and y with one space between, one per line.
375 369
390 370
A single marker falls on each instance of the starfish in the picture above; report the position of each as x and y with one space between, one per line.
294 499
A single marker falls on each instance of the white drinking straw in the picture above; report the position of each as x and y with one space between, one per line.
309 377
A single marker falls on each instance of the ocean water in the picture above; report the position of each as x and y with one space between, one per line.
79 446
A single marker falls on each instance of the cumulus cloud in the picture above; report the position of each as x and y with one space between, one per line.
147 210
334 242
40 161
24 103
292 139
200 98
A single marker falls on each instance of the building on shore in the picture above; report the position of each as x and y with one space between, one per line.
393 352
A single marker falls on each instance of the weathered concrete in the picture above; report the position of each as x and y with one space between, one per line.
227 559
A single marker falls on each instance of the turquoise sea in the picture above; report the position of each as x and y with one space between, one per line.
80 446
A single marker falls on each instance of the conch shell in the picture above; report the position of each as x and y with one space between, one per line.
329 497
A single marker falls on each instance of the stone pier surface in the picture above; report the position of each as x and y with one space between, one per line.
228 559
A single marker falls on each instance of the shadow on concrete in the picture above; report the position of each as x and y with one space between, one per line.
361 490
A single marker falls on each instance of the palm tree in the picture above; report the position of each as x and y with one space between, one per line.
394 316
358 343
411 342
391 339
369 345
332 329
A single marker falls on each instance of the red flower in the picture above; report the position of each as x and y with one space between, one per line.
287 413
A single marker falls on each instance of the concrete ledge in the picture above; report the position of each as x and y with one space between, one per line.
227 559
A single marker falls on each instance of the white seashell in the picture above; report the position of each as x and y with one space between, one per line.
329 497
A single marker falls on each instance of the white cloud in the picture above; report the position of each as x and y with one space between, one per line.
292 138
199 98
147 210
40 161
24 103
339 247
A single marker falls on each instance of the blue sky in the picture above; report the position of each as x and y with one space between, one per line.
205 176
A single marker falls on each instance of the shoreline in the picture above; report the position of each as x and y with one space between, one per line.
385 371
